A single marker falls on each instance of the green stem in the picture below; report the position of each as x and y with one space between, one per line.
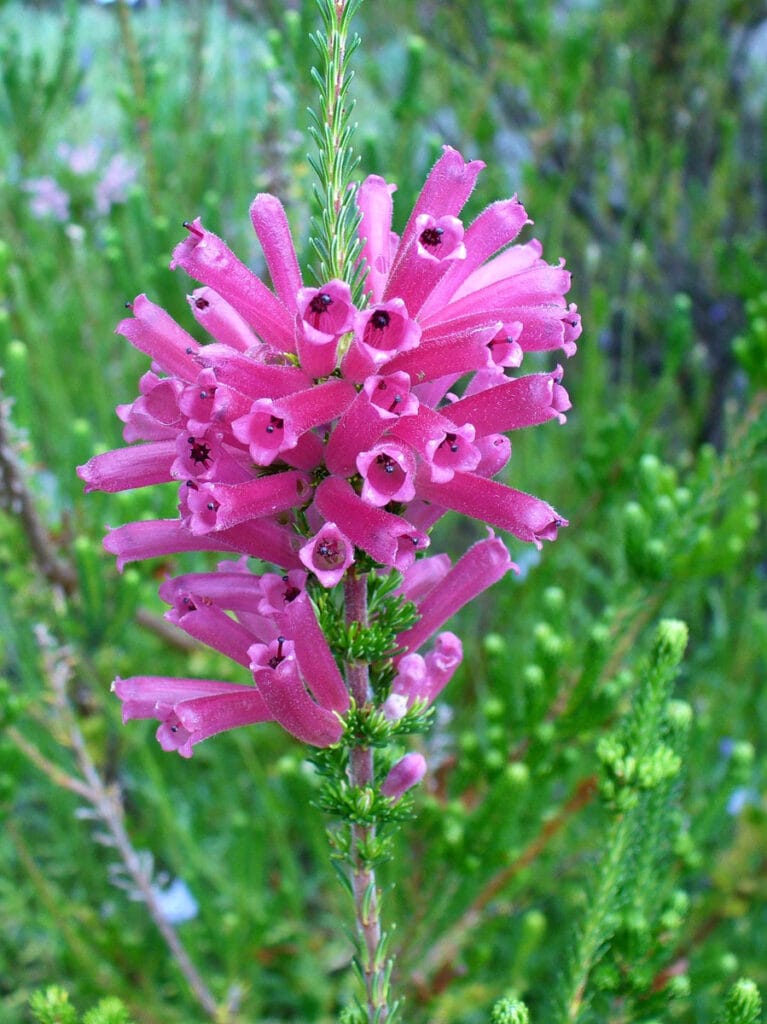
374 966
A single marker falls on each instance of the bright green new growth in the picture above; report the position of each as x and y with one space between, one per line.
52 1006
334 229
743 1004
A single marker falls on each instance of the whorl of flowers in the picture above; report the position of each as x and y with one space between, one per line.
326 438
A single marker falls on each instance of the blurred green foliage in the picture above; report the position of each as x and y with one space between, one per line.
635 136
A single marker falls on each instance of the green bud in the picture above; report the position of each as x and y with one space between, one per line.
655 556
680 902
452 831
468 742
494 760
742 754
496 735
679 715
533 926
686 850
704 540
494 644
545 732
671 641
634 514
606 977
550 643
682 303
665 507
494 709
728 964
509 1011
517 775
679 987
287 766
533 676
599 635
682 498
735 546
663 764
16 366
650 470
554 598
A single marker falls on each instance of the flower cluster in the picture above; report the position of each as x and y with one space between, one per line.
327 438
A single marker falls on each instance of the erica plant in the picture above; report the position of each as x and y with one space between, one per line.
323 429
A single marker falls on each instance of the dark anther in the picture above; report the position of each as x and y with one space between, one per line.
380 319
279 656
431 237
174 728
328 549
395 402
129 305
201 303
451 440
273 424
193 229
320 303
211 506
387 462
200 452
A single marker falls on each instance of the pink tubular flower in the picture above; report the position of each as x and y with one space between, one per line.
483 564
325 434
279 679
189 710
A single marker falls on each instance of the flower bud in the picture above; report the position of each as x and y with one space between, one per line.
405 774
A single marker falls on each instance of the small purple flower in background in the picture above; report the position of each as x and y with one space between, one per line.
175 901
327 438
80 160
47 198
118 177
740 798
